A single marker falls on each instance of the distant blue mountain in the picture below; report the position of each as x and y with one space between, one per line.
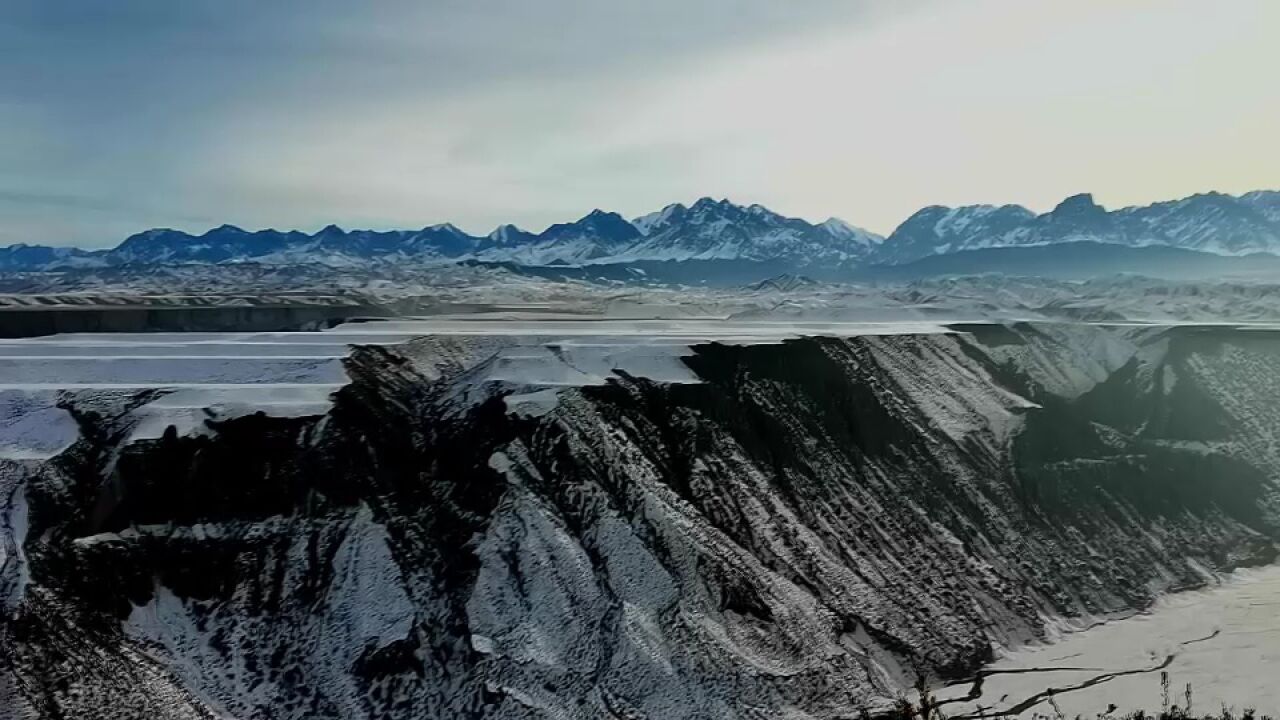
1078 259
709 231
1212 223
34 257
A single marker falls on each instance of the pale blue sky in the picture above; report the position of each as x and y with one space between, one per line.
119 116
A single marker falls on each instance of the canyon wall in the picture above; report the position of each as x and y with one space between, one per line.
797 530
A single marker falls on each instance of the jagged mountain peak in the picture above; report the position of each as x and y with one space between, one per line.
717 229
444 227
707 202
710 208
226 229
151 234
508 233
846 231
1078 205
938 229
597 234
610 223
645 222
1207 222
598 216
724 207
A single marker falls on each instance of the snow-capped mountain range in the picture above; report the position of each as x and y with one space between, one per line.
709 230
1212 222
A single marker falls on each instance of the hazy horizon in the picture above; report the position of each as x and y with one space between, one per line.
482 232
142 114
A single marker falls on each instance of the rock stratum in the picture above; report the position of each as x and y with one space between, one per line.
791 529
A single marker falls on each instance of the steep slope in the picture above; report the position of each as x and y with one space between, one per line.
938 230
842 230
1212 222
793 530
599 234
1266 202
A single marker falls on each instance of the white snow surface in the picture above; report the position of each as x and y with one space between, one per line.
536 358
189 409
32 426
203 376
218 376
1225 642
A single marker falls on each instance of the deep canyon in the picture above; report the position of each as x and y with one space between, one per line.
491 525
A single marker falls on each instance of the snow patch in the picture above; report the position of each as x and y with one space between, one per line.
32 426
189 410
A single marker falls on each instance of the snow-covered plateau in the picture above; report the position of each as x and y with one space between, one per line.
750 504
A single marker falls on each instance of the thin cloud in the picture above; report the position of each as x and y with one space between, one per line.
145 112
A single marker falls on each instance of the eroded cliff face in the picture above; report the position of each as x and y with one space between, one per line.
796 534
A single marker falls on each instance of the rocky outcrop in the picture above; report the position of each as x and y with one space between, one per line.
797 534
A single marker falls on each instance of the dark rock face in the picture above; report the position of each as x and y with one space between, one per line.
797 534
38 321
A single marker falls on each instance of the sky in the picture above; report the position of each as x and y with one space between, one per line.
125 115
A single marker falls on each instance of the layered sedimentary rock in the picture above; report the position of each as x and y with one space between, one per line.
792 530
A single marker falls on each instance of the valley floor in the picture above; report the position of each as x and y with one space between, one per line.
1223 641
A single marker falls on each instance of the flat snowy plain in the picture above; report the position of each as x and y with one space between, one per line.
1224 641
224 375
208 375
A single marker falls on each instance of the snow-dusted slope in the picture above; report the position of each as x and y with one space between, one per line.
1212 222
779 529
720 230
1266 202
938 230
842 230
708 231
